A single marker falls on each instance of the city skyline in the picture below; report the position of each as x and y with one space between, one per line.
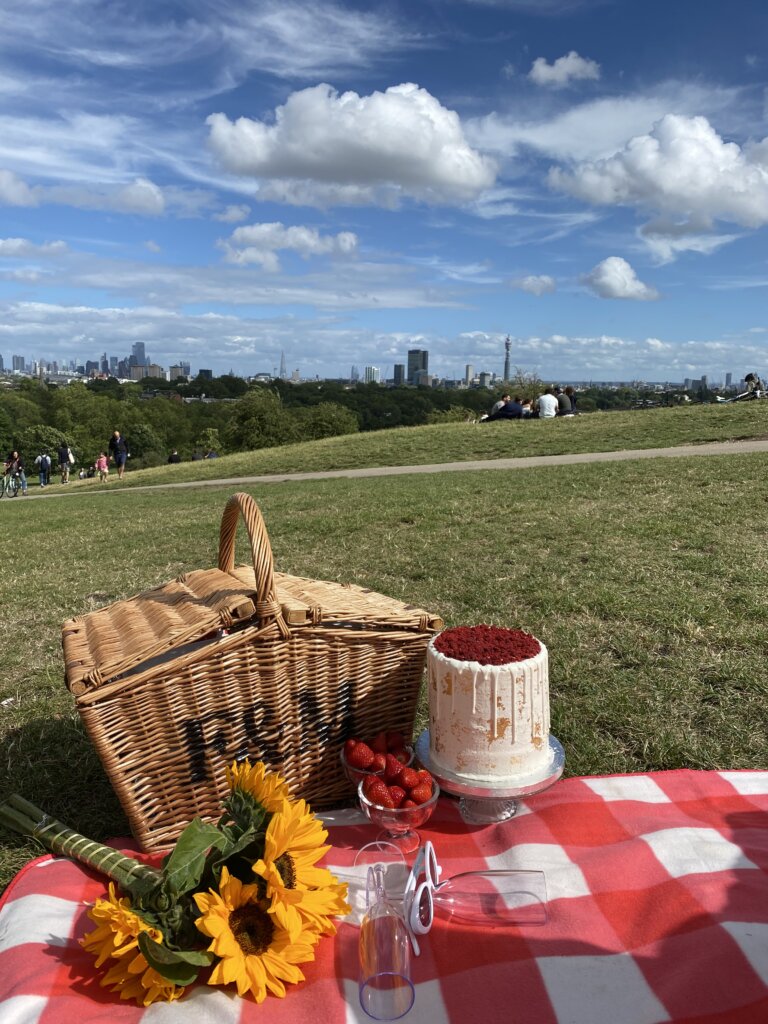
332 185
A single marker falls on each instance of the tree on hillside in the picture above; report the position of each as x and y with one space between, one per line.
22 411
258 420
37 439
209 441
326 420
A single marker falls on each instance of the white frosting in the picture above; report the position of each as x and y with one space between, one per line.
488 722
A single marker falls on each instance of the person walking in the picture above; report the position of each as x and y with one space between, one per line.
43 463
102 467
66 458
118 452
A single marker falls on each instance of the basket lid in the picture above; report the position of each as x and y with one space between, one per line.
169 620
193 609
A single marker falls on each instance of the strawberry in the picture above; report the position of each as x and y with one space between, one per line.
379 763
395 740
408 803
361 756
349 746
377 792
379 745
402 754
421 793
382 798
392 769
397 793
408 778
424 777
368 782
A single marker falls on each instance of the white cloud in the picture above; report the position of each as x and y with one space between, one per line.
683 169
402 141
22 248
141 196
535 284
14 191
598 129
667 239
614 278
232 214
563 71
152 246
259 243
288 38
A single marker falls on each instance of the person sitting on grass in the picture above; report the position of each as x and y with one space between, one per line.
547 405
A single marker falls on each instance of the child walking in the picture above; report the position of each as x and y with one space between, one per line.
102 465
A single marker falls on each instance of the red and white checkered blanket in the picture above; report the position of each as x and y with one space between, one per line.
658 912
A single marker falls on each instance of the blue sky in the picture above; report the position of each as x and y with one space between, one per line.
230 181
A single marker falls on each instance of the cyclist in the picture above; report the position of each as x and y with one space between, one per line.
14 465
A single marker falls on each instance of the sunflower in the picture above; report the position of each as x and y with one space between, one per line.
301 894
254 950
116 936
267 788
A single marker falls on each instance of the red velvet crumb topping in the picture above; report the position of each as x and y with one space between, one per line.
488 645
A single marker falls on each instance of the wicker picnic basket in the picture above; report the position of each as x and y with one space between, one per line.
234 662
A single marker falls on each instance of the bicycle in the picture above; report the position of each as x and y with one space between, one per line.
9 485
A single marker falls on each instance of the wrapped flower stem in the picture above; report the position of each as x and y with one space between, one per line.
131 875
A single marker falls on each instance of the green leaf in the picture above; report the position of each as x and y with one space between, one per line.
178 966
184 868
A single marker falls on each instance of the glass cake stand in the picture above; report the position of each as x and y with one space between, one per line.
483 803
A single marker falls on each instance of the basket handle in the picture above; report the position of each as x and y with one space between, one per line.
267 606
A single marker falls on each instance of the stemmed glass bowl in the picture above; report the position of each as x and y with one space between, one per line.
399 824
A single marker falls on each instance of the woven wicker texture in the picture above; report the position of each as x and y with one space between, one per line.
237 662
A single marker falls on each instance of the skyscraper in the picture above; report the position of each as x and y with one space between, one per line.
469 374
507 347
398 374
138 355
418 361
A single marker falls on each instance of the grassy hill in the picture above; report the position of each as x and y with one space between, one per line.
645 579
466 442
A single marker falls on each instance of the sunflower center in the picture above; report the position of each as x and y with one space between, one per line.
253 929
287 869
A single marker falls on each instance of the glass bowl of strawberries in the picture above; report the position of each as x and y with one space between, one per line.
399 803
388 751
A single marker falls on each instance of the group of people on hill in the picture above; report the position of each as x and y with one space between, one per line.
554 401
118 453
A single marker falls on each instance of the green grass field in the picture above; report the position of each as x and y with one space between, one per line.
646 580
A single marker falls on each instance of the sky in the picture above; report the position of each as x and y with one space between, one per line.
232 182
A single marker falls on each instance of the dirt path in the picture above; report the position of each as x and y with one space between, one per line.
681 451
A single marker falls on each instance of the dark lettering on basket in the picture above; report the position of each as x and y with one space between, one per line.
257 731
198 740
327 726
260 740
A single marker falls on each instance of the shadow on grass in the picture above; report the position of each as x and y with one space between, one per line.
52 763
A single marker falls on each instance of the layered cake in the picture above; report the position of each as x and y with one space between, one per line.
488 703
